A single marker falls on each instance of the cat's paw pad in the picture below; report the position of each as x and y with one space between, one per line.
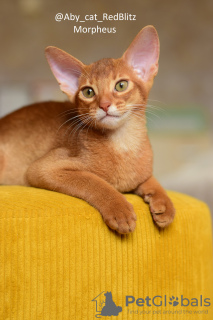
162 210
122 218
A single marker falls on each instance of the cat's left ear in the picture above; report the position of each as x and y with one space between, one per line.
65 68
143 53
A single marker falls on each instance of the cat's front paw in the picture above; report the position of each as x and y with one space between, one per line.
120 217
161 208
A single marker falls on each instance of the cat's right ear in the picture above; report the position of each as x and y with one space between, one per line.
143 54
65 68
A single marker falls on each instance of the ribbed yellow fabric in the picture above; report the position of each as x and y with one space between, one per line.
57 255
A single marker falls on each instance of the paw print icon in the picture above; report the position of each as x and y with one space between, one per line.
174 301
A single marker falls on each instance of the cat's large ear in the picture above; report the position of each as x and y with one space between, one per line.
143 53
65 68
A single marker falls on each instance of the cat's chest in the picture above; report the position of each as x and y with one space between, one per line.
124 142
123 161
126 170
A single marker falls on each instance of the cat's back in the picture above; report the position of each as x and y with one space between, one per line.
26 135
29 119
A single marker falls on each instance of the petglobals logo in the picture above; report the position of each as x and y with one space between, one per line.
105 305
158 301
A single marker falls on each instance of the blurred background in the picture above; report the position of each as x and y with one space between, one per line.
180 112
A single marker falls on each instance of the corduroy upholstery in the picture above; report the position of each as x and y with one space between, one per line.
57 255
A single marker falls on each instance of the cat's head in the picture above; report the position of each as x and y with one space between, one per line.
108 91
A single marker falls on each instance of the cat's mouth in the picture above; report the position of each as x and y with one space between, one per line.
107 115
110 119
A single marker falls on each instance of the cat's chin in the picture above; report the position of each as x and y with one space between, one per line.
111 122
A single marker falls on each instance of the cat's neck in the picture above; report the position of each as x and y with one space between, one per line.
130 136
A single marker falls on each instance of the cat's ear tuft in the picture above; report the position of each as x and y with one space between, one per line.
65 68
143 53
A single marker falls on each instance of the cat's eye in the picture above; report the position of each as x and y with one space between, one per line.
121 85
88 92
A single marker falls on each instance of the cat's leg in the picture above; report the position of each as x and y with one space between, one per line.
160 205
58 172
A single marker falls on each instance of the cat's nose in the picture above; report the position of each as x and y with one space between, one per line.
104 105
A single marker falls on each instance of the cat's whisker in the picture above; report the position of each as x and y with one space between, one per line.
150 112
147 117
87 121
90 124
75 122
79 125
138 115
75 129
147 106
153 111
142 118
150 119
94 120
142 104
70 112
80 115
81 128
67 112
79 120
70 119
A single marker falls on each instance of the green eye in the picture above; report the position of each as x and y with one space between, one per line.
121 85
88 92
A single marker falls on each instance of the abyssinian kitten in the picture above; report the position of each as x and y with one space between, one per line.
94 146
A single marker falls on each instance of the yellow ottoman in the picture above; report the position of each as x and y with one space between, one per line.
59 261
